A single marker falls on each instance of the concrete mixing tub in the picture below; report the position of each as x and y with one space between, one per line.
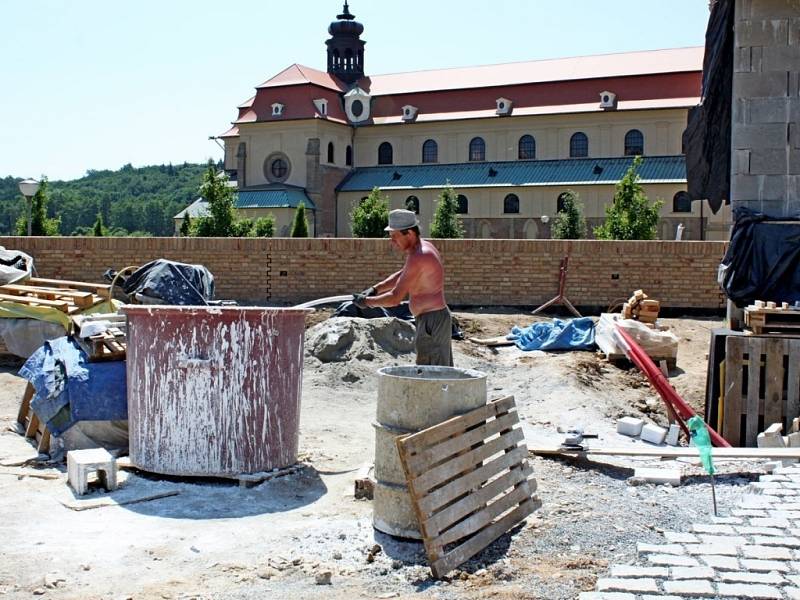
411 399
214 391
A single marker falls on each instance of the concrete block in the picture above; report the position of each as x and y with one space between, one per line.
642 548
713 528
780 58
653 434
771 11
761 136
630 426
82 463
606 596
656 475
672 560
673 435
741 60
679 537
759 84
634 571
765 566
774 429
721 563
692 573
762 33
768 161
636 584
794 31
766 552
771 110
741 162
763 440
772 577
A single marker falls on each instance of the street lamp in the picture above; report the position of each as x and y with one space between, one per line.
28 188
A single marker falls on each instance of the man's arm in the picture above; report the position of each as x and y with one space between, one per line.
404 283
388 283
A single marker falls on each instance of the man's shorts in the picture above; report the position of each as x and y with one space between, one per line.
432 340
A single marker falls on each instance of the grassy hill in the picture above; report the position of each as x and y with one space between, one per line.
138 201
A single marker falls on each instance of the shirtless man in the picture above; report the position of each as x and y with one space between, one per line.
422 280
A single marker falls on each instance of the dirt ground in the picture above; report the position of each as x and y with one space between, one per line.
214 539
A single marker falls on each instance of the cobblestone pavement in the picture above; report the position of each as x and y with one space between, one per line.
754 553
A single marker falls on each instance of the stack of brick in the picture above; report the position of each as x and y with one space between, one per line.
641 308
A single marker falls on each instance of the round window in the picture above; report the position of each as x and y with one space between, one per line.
357 108
279 168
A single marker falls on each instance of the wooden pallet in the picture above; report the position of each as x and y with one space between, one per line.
469 482
66 300
776 320
762 386
32 427
109 345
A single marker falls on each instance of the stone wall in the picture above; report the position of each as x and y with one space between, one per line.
479 272
765 134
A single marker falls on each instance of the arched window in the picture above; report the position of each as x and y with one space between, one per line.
682 202
430 151
560 203
527 148
477 149
385 154
634 143
511 204
412 204
348 156
463 204
330 152
578 145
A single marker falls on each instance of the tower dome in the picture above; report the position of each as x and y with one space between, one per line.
345 47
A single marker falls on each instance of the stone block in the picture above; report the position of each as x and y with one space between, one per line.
653 434
774 540
770 11
771 110
794 438
636 584
773 577
744 590
742 59
656 475
678 537
672 560
722 563
714 529
733 540
760 84
82 463
794 31
705 549
765 566
605 596
768 161
636 571
642 548
766 552
673 435
690 588
740 111
761 33
692 573
630 426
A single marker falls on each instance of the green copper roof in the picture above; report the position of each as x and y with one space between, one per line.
569 171
283 197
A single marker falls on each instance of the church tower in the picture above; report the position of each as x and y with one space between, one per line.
346 48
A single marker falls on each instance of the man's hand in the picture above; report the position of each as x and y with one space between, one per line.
360 299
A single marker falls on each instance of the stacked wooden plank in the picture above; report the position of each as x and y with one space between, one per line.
110 344
469 481
69 297
641 308
769 317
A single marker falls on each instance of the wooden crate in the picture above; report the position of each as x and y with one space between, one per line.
762 385
469 481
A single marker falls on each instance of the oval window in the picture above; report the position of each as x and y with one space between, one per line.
279 168
357 108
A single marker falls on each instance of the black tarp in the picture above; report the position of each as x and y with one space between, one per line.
707 138
173 282
763 259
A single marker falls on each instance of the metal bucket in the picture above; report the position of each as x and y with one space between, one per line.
410 399
214 391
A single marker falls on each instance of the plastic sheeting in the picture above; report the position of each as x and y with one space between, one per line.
659 344
16 310
23 337
763 259
707 139
176 283
573 334
14 266
69 389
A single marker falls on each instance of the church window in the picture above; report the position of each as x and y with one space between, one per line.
511 204
385 153
477 149
463 204
412 204
330 153
430 151
682 202
634 143
527 148
578 145
357 108
348 156
279 168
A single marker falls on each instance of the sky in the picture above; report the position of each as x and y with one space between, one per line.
97 84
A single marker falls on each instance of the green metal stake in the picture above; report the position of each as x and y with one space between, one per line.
701 439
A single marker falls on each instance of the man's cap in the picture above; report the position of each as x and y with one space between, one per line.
400 219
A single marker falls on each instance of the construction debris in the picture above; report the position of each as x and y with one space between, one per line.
640 308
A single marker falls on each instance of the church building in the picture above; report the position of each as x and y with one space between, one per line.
510 139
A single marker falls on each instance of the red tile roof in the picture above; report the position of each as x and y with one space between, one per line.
580 67
299 75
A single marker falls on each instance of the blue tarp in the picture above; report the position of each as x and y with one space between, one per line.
574 334
70 389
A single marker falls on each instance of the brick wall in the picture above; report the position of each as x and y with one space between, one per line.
765 133
479 272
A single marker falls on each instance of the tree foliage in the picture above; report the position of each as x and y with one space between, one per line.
221 218
570 223
41 224
186 226
630 216
300 223
264 226
99 229
370 216
446 220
